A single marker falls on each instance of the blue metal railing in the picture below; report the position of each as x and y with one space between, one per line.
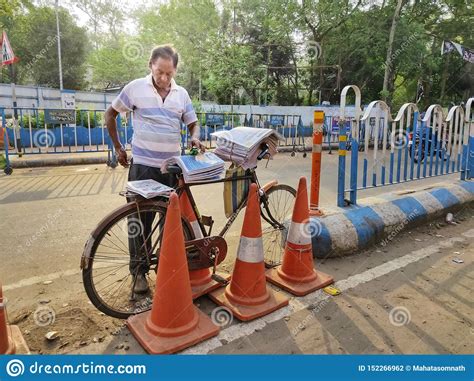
411 147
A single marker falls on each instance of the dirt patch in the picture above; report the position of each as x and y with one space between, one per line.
71 329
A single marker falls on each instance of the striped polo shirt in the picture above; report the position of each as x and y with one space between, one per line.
156 124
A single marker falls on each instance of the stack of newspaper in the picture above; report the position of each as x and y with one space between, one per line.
242 145
204 167
148 188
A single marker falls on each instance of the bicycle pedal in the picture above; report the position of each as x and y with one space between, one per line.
220 279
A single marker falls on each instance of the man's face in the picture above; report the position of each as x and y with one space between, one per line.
163 71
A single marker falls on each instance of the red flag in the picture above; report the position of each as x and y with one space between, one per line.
8 57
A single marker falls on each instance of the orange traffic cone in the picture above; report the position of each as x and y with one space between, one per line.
296 273
247 295
173 323
11 339
201 281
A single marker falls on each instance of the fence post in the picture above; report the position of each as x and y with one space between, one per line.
318 121
470 131
341 174
343 142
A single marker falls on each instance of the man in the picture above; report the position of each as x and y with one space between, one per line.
159 105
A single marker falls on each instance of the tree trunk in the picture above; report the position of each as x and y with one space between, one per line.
388 79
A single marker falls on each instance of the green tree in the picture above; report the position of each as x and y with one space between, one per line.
34 39
117 62
190 26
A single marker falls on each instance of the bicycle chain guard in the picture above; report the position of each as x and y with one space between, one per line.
205 252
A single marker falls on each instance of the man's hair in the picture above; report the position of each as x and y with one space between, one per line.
166 52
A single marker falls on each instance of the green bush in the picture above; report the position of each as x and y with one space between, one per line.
37 119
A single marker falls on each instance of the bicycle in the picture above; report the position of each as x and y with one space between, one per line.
106 257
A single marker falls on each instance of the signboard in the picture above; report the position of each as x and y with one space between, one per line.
59 116
277 120
214 119
68 99
8 57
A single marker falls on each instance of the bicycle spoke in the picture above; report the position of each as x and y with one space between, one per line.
125 246
108 279
113 243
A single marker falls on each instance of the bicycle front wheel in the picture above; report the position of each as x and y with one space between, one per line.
280 200
124 244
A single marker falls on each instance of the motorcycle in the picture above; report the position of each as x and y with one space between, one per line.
429 142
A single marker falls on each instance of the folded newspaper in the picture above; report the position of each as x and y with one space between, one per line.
197 168
242 145
148 188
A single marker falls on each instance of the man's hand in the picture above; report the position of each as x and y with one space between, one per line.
121 156
197 143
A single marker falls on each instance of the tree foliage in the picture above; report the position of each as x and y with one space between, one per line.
287 52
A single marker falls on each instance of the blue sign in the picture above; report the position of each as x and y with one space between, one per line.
277 120
214 119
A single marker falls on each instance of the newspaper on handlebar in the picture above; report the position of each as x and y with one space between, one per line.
241 145
148 188
197 168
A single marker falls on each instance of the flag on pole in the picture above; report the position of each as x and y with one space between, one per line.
466 53
8 57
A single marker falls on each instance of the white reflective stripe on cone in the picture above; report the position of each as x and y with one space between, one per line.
300 233
196 229
250 250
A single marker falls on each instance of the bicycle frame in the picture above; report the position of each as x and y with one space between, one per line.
252 176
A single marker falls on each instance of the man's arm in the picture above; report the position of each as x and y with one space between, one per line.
194 130
111 123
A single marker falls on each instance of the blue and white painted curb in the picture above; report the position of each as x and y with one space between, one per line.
362 226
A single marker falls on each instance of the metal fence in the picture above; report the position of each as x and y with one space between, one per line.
49 131
40 131
412 146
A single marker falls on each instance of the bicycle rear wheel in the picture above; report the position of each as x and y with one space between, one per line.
280 202
107 264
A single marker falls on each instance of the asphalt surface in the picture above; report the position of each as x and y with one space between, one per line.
48 213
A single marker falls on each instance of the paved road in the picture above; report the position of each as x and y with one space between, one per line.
48 213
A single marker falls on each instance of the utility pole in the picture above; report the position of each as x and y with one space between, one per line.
58 35
233 63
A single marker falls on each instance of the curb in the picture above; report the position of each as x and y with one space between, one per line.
57 162
53 162
362 226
